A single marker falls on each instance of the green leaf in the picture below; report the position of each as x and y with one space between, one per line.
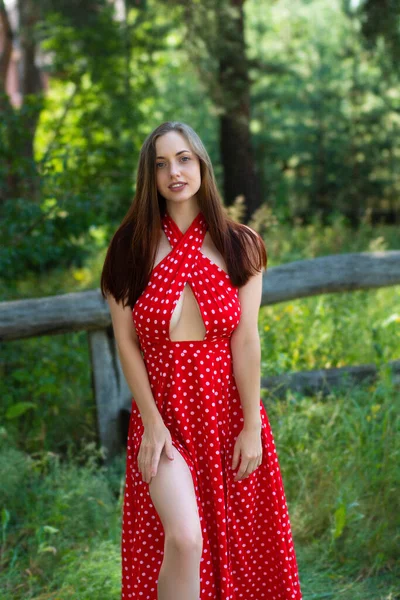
5 518
340 520
43 549
18 409
50 529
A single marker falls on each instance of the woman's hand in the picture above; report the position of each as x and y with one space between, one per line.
154 438
248 446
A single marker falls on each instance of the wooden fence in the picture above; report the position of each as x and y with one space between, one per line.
88 311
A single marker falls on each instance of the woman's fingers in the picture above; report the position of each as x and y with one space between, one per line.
153 441
144 462
148 463
245 471
154 463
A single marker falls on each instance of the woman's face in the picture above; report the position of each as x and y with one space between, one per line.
176 164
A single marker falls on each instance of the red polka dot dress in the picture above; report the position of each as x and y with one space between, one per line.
248 551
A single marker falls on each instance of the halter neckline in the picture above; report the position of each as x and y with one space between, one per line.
198 219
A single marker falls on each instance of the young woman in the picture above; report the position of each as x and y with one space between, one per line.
205 514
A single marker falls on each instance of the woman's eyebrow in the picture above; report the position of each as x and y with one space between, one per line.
180 152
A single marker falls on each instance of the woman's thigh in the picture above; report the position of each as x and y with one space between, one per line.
174 499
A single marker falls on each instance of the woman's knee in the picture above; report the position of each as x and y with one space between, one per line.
186 542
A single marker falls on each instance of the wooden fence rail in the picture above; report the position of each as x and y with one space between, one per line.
88 311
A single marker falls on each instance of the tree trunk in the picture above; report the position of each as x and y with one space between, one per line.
6 43
6 111
31 85
240 177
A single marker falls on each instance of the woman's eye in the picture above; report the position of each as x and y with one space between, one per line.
159 165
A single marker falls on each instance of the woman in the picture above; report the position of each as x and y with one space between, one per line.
205 514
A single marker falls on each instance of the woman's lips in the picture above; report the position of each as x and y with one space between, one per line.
177 188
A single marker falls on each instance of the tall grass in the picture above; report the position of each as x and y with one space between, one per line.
60 525
340 461
331 331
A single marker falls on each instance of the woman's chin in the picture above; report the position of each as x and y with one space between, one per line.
182 197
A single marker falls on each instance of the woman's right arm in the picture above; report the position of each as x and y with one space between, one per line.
132 362
156 435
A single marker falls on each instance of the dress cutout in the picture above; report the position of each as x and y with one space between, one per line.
248 551
186 317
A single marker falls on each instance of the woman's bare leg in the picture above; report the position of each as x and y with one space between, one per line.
174 499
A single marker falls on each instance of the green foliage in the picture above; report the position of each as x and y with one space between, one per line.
380 22
18 409
60 525
91 574
110 82
46 393
341 462
331 330
323 120
14 467
88 136
324 117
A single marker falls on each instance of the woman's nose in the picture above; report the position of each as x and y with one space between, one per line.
174 170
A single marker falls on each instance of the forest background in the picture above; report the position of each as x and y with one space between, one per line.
298 104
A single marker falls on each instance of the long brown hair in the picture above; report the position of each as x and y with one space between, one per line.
132 251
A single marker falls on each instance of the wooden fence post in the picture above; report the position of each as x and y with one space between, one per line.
110 389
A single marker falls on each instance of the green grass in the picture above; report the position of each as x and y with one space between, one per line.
331 331
340 459
60 536
339 455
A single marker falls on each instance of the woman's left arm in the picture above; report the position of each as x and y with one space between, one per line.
246 351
